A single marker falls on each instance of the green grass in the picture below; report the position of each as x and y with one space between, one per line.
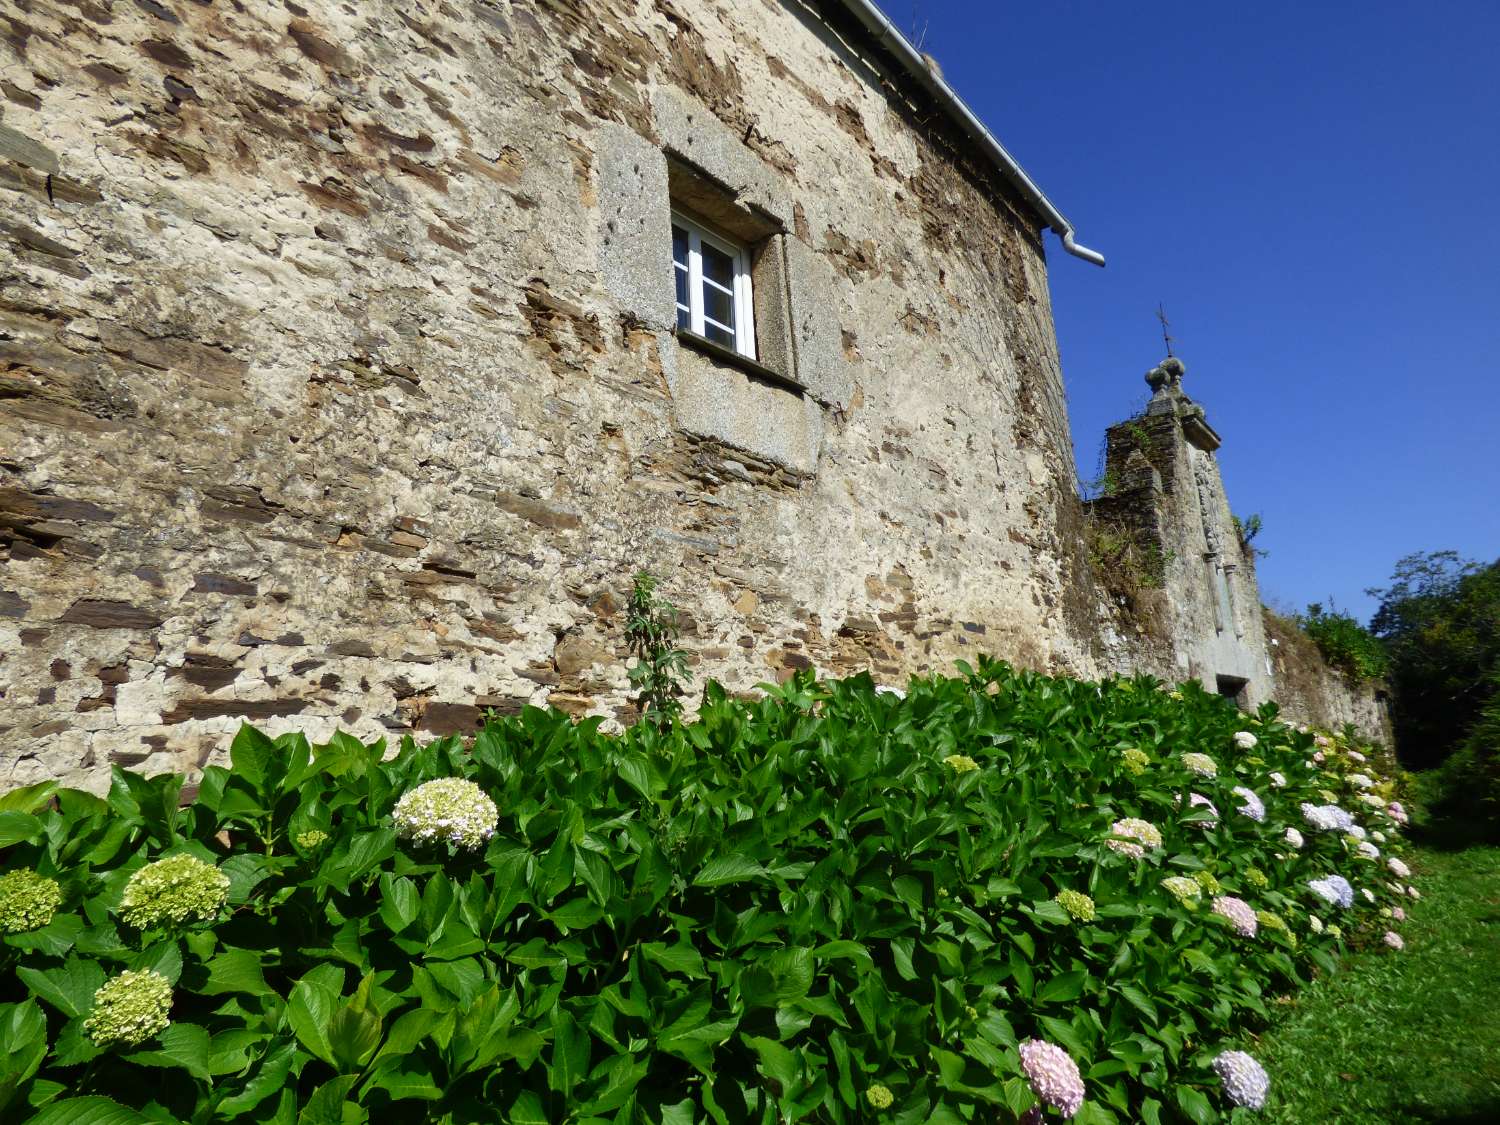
1404 1037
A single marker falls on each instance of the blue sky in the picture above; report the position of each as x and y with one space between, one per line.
1313 191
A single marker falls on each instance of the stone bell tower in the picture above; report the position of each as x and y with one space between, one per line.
1163 489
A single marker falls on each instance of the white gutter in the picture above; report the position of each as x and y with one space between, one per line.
876 23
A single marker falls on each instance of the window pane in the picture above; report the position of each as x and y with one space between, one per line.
684 318
682 284
718 305
718 335
680 246
718 266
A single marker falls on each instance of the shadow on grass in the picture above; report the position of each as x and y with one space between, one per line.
1487 1114
1452 834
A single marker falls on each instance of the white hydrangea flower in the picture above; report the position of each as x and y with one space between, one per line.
1356 756
1327 818
1398 869
1368 850
1378 837
1293 837
1244 740
1372 800
449 810
1278 779
1412 892
1369 895
1393 939
1314 923
1245 1080
1361 781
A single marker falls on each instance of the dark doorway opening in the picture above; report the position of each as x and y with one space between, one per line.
1234 688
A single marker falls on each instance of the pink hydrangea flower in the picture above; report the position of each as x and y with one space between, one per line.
1398 869
1237 913
1146 835
1053 1075
1393 939
1396 812
1398 914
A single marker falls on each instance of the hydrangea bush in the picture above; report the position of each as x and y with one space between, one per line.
1001 897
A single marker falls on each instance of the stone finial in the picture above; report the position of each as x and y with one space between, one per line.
1167 374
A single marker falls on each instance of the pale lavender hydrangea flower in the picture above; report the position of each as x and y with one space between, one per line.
1398 869
1393 939
1245 1080
1327 818
1253 807
1053 1075
1195 800
1293 837
1334 890
1237 913
1144 832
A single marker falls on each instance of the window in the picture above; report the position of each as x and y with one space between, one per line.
713 287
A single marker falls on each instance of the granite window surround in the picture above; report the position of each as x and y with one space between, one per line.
770 403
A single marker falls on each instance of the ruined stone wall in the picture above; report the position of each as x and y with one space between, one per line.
1189 606
317 407
1309 691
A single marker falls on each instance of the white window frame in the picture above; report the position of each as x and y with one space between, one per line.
744 304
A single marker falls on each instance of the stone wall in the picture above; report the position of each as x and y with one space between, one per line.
325 399
1188 606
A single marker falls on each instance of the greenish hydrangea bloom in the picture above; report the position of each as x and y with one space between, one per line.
1206 880
1272 921
449 810
130 1009
173 892
27 900
1185 890
1135 761
1078 905
1201 764
879 1097
310 839
960 763
1256 878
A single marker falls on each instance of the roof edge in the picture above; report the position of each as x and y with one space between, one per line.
869 15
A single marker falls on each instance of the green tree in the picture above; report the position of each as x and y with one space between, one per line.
1440 622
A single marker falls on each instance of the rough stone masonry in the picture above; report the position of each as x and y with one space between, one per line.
340 384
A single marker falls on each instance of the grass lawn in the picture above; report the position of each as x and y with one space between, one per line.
1404 1037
